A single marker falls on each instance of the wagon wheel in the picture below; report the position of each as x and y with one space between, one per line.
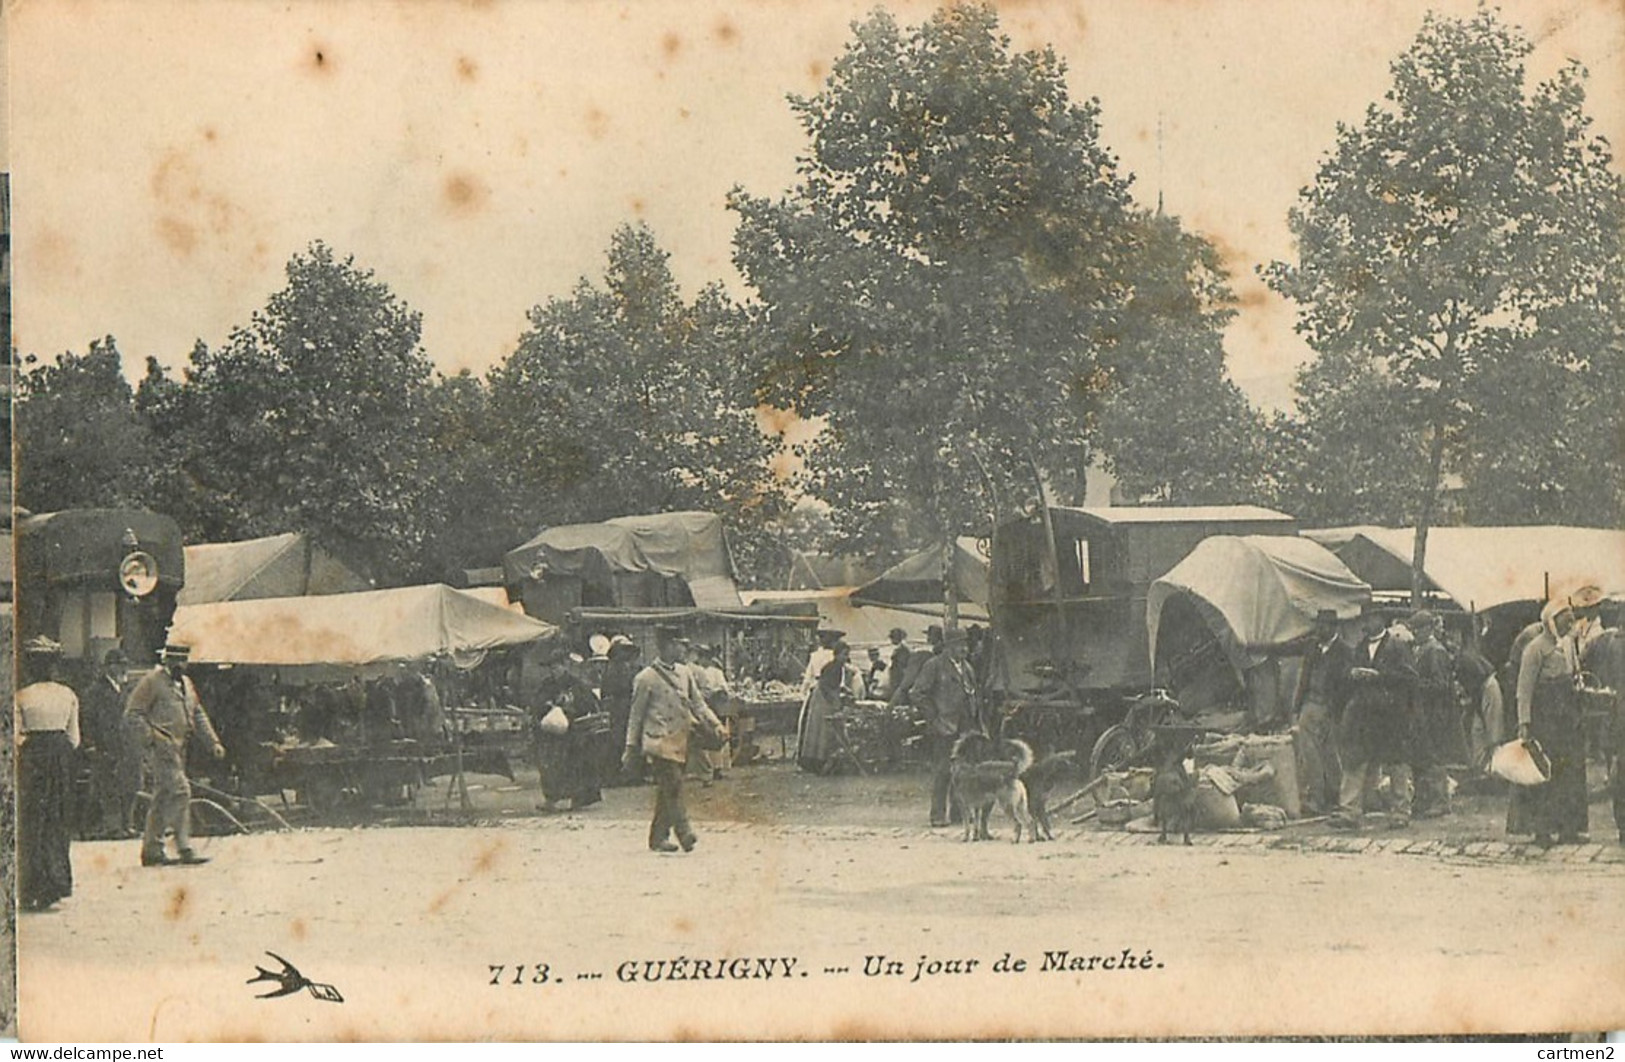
1117 748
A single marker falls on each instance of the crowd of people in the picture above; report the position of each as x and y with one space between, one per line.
942 683
1384 704
1399 699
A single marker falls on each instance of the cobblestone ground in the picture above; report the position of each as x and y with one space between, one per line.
441 931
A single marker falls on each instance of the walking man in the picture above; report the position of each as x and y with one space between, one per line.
164 713
663 700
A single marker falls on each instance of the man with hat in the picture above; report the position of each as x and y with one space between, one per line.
47 722
164 713
1377 727
664 700
115 765
1323 691
945 691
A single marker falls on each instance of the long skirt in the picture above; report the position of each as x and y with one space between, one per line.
815 740
570 765
44 800
1559 806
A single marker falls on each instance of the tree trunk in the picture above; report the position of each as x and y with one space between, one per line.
950 593
1424 519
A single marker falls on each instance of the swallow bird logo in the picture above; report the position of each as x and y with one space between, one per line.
290 980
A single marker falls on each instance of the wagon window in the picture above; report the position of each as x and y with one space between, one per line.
1083 562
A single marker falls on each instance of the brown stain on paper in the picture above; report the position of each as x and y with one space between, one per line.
175 909
485 861
464 193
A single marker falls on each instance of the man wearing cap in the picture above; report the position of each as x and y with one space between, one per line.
164 714
1433 744
619 673
47 722
663 699
897 667
946 693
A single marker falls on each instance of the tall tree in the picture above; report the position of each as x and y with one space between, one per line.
1178 429
950 284
80 442
1459 254
624 398
312 416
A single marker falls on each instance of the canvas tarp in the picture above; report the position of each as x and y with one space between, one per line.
351 630
687 545
287 565
1481 568
1257 592
864 625
917 580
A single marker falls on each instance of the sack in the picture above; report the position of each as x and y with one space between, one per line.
555 722
1521 763
708 734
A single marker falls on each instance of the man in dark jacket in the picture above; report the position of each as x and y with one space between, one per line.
945 692
1432 744
1377 723
1322 695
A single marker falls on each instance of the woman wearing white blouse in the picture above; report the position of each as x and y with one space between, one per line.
47 733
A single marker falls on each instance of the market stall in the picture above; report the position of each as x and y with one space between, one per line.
360 695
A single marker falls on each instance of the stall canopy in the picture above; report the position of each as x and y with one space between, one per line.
352 631
287 565
864 626
1256 592
1481 568
686 545
917 581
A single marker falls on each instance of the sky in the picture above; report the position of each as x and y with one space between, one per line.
169 157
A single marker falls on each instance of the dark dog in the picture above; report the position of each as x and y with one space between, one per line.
1039 779
1173 793
984 772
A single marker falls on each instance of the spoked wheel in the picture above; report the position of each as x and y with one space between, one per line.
1116 750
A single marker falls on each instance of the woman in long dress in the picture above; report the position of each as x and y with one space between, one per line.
1549 713
48 732
815 738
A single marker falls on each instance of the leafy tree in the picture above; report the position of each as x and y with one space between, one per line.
1458 275
1178 429
951 284
470 515
79 441
625 399
311 416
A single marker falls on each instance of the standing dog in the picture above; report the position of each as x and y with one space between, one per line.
1039 779
983 772
1173 792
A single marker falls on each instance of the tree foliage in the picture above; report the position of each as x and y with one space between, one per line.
951 282
1178 429
79 442
1458 275
312 416
624 398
